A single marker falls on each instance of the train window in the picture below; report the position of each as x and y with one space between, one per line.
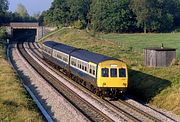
85 68
122 72
73 63
80 66
105 72
90 71
113 72
94 72
65 59
59 56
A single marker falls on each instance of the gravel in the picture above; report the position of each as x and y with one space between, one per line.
160 114
55 104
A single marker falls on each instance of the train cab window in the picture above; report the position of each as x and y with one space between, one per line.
122 72
105 72
113 72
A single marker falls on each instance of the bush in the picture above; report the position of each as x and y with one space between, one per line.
79 24
3 33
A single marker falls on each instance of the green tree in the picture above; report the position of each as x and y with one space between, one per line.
154 15
22 11
112 16
3 10
139 7
78 10
58 13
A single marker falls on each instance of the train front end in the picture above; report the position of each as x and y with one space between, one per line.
112 76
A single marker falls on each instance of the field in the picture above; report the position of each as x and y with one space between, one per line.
156 86
15 103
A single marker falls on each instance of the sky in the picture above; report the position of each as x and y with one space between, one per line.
32 6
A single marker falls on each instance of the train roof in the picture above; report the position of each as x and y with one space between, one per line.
50 43
90 56
79 53
59 46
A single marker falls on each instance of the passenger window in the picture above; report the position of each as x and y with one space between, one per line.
93 72
85 68
105 72
90 71
113 72
122 72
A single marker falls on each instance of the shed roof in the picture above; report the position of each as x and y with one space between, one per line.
160 49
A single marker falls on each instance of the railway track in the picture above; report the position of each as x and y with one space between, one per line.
91 112
130 111
134 111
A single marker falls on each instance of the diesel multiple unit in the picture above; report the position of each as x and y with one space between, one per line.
99 73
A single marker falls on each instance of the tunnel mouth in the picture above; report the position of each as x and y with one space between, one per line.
24 35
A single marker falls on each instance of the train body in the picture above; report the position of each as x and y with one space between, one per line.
98 72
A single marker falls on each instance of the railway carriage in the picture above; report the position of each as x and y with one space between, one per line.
99 73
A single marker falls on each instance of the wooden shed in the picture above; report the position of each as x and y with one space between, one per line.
159 57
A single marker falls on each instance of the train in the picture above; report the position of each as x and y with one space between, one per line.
101 74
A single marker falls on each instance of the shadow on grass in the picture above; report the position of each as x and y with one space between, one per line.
144 86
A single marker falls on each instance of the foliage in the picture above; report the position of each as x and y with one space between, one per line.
3 33
155 15
112 16
21 10
65 12
115 15
3 10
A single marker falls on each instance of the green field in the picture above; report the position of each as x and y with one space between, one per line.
140 41
15 103
157 86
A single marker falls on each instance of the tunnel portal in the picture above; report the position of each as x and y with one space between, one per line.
24 31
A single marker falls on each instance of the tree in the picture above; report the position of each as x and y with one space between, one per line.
154 15
3 10
78 10
112 16
139 7
22 11
58 13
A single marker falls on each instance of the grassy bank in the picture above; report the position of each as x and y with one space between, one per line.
15 103
157 86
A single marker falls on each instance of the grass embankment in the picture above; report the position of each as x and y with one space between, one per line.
157 86
15 103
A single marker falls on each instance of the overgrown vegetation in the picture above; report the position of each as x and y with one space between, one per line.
157 86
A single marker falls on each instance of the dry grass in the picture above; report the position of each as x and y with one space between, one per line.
15 103
157 86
